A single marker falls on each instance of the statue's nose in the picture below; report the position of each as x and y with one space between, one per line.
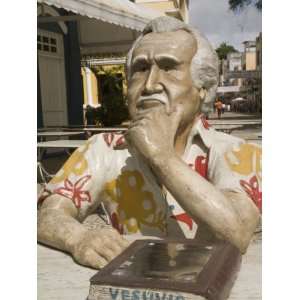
152 84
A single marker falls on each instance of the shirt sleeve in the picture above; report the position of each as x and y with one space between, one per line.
82 176
237 167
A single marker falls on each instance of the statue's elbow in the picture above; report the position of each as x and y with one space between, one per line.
243 238
243 244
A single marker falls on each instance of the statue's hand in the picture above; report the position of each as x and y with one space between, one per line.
96 248
152 133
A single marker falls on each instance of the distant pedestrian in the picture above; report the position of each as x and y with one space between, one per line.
223 108
219 107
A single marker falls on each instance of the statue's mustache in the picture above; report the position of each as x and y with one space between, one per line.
158 97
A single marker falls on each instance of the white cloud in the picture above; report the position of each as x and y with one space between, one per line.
219 24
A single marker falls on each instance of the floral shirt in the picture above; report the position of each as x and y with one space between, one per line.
103 172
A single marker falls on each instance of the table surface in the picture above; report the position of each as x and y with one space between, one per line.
61 144
226 126
60 278
234 122
59 133
104 129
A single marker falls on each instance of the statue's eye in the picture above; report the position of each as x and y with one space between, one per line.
143 68
140 67
167 65
167 68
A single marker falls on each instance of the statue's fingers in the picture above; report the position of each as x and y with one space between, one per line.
99 244
115 237
107 246
114 246
106 252
121 242
92 259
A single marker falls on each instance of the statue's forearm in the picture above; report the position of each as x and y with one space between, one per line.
58 229
203 201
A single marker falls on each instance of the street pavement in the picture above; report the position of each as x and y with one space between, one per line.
230 115
246 126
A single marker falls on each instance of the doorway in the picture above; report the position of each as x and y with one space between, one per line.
52 78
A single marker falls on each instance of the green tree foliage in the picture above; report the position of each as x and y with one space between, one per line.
237 5
224 49
113 110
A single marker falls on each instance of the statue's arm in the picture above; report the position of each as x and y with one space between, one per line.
57 223
233 216
58 226
230 214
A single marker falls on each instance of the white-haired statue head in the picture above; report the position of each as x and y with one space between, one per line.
204 66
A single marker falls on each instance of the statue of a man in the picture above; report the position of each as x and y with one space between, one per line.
170 175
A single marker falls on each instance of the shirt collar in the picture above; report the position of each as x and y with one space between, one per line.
202 129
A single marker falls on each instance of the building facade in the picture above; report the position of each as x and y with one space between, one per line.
259 52
249 56
60 93
67 31
240 75
175 8
235 64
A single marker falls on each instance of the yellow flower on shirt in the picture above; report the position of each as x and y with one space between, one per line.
76 164
245 160
136 206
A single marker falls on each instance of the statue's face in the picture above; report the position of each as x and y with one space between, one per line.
160 74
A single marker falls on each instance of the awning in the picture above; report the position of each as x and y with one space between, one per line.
119 12
238 99
228 89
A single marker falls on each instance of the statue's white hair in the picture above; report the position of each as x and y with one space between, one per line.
204 66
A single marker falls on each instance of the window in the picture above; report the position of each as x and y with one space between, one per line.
46 44
251 49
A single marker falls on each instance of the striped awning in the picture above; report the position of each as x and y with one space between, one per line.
119 12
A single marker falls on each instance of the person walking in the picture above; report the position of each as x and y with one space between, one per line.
223 108
219 106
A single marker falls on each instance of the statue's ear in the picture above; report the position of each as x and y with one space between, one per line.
202 93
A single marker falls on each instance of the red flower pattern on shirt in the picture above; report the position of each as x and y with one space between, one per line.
115 223
74 191
108 138
201 165
114 140
120 141
252 189
185 218
205 124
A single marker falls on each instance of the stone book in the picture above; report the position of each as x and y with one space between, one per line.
168 270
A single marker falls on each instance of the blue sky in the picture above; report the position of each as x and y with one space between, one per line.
219 24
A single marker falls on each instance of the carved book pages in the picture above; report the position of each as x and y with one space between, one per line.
168 270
